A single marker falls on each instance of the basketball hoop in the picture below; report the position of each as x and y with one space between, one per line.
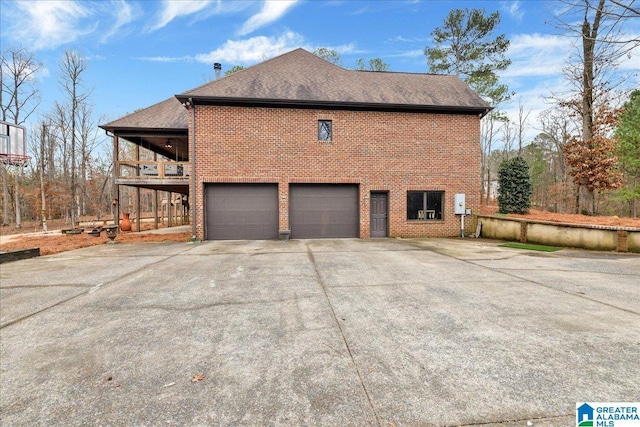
13 145
14 159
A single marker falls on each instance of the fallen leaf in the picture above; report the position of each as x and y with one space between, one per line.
196 378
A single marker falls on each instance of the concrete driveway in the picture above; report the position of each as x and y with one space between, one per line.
410 332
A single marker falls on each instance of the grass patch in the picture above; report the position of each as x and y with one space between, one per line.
530 246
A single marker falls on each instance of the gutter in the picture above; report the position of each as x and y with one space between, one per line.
480 110
192 202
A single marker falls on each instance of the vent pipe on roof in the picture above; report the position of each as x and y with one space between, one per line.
218 67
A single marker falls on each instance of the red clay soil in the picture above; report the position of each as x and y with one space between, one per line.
535 214
56 243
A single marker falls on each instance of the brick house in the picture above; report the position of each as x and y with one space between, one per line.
297 146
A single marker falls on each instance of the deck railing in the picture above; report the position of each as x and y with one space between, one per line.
151 169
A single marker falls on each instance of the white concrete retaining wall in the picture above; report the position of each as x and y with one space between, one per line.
595 237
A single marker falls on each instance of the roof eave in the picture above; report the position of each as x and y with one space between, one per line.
121 130
333 105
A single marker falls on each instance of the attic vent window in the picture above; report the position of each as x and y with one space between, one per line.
324 130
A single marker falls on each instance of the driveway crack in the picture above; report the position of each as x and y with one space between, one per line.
344 337
510 421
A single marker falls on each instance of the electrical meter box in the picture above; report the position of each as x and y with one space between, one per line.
460 206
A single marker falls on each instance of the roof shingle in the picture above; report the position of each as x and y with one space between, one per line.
302 76
169 114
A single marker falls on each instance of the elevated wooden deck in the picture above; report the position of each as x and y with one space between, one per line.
164 176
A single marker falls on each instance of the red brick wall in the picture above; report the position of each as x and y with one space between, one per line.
380 151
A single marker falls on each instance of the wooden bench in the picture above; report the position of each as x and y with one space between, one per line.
71 231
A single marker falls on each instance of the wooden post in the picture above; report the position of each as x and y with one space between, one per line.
166 198
170 210
137 201
116 173
155 200
137 207
155 209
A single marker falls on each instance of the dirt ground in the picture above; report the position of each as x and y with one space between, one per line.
56 243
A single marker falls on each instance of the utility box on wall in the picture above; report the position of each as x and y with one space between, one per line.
460 204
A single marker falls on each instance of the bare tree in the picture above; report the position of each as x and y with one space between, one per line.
556 125
72 67
627 9
59 154
491 126
19 96
88 138
40 151
522 123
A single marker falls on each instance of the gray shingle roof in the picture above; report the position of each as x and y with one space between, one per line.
169 114
302 78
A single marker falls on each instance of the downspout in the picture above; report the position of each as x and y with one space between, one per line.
192 202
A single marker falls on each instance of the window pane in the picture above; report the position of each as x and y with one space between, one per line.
324 130
434 204
415 205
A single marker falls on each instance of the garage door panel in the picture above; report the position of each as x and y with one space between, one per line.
324 211
241 211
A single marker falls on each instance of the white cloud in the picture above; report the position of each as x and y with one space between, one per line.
416 53
253 50
271 11
402 39
513 9
631 61
537 55
175 9
185 58
48 24
95 58
535 75
124 14
343 49
545 56
536 97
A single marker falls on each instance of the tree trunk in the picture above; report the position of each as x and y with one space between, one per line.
5 197
488 160
586 204
73 162
43 210
488 184
589 37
